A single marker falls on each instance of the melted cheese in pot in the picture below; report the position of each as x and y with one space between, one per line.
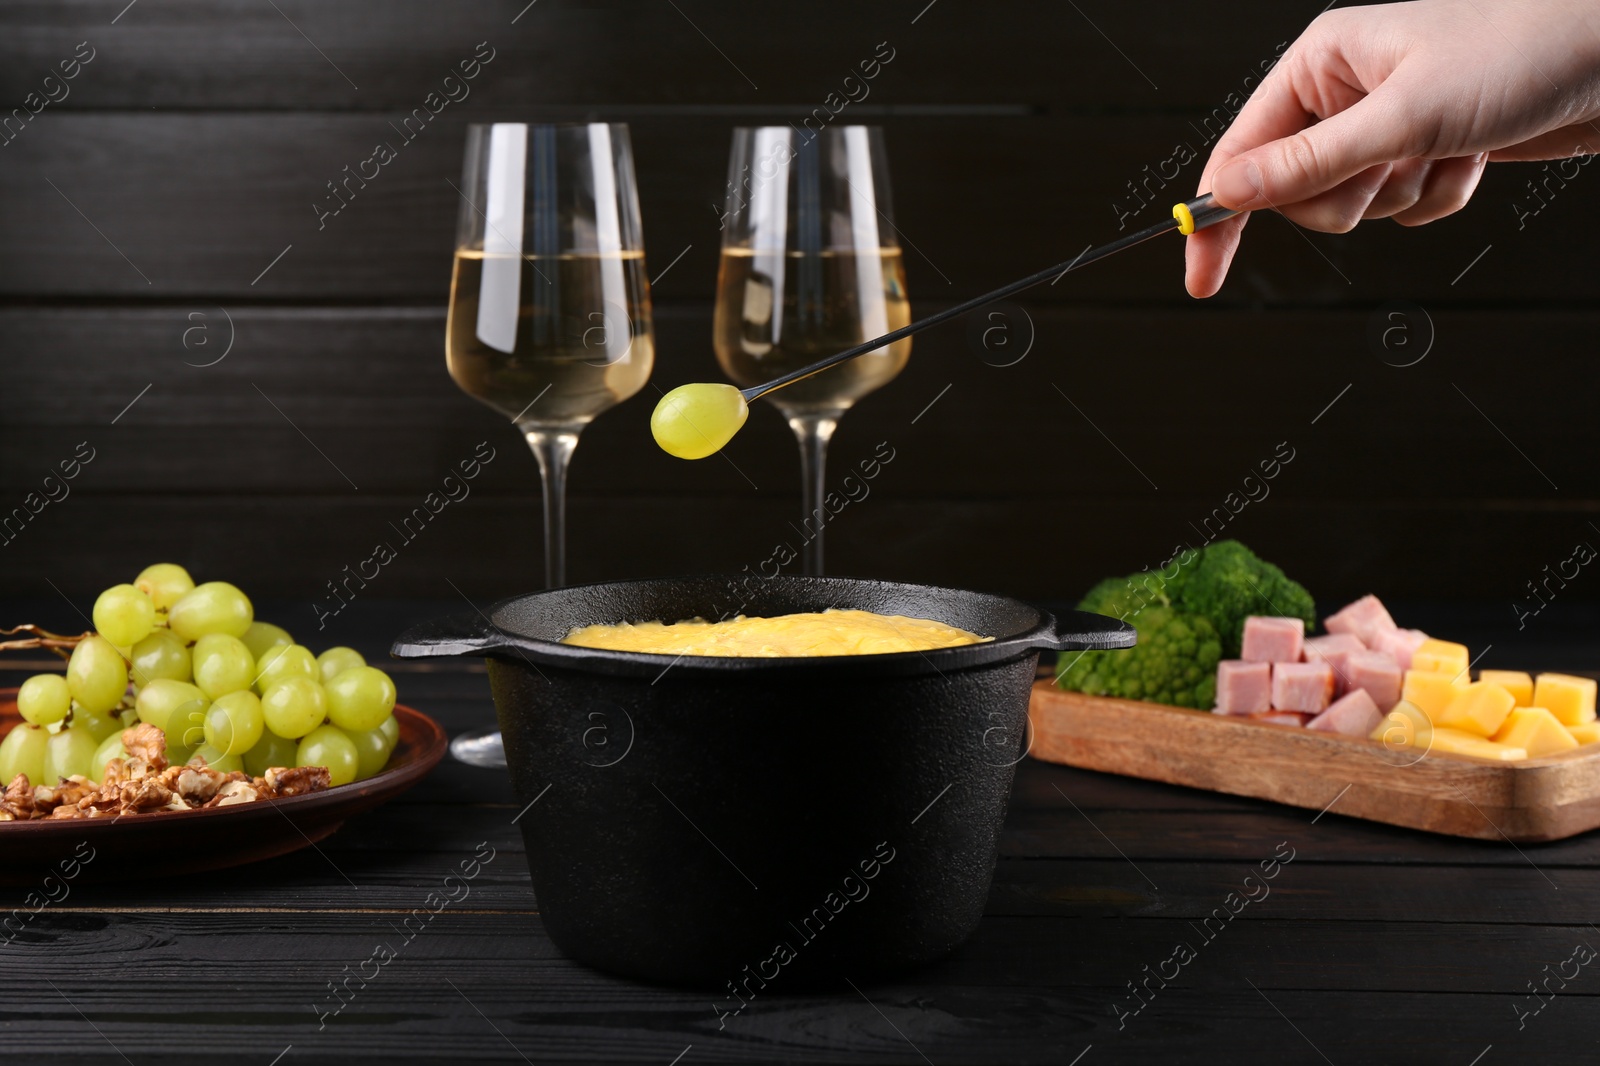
832 632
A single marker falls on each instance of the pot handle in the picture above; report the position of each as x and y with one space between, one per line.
461 634
1082 631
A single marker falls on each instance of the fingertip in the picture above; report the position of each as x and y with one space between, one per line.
1200 288
1200 276
1208 255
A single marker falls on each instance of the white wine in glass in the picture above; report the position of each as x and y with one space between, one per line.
810 267
550 319
579 327
764 327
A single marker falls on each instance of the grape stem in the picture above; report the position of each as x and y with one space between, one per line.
59 643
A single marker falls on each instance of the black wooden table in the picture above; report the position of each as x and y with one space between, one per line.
1366 945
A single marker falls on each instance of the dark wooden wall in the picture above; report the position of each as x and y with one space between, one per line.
192 147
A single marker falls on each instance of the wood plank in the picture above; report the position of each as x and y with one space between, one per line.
508 989
1325 882
368 386
1540 799
408 843
290 547
1339 871
1006 953
190 232
1248 835
232 54
1359 508
1331 956
1530 894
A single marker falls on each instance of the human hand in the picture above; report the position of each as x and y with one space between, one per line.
1392 111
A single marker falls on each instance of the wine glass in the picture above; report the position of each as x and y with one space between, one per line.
810 266
549 302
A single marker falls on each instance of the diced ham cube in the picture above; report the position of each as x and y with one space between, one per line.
1294 718
1334 649
1378 674
1364 619
1301 687
1243 688
1398 644
1273 640
1352 715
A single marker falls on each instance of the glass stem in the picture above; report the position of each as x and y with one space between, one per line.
813 431
553 449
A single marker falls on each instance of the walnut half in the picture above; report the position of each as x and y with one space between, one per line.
296 780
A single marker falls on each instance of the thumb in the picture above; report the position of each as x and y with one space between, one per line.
1317 158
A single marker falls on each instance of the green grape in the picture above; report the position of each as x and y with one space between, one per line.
281 663
163 698
360 698
67 753
217 760
188 726
162 654
178 754
372 751
215 607
164 583
98 726
222 664
271 750
390 729
328 746
22 752
336 661
96 675
263 635
234 723
44 698
124 615
110 748
294 707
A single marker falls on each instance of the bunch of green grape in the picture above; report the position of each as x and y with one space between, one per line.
237 692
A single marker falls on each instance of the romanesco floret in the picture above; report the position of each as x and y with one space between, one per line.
1174 662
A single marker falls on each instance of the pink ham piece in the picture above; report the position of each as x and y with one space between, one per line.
1334 649
1295 718
1302 687
1364 619
1273 640
1377 673
1398 644
1351 715
1243 688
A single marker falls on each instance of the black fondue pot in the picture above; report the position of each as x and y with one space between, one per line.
742 821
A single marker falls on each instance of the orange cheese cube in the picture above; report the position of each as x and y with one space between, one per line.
1430 691
1455 742
1479 708
1404 727
1519 684
1570 699
1442 657
1536 730
1587 733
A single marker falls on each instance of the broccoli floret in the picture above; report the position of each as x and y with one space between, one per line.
1175 662
1230 582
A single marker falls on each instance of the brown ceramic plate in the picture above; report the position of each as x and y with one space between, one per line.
176 842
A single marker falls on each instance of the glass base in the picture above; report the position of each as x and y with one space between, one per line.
480 749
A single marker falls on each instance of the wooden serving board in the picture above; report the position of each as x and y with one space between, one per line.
1534 800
